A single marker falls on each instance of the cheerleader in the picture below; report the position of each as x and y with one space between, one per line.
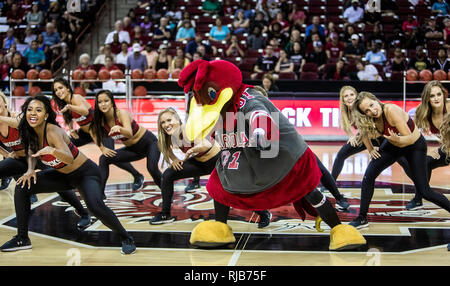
15 163
75 108
374 118
43 139
429 116
118 124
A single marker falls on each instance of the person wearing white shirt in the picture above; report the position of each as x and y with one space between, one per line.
121 58
354 13
123 35
367 72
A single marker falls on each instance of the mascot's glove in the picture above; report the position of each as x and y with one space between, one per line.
259 139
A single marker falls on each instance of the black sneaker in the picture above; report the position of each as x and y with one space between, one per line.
414 205
161 218
33 198
342 204
16 243
264 219
138 182
128 246
5 183
84 221
192 186
359 222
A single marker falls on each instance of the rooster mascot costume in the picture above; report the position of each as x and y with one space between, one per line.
264 162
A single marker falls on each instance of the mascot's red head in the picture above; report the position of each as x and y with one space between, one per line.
213 85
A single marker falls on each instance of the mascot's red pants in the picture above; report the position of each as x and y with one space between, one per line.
301 180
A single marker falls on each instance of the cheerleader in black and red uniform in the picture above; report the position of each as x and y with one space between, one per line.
69 169
118 124
373 118
75 108
15 163
429 116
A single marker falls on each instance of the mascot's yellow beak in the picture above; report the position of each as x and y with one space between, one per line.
203 118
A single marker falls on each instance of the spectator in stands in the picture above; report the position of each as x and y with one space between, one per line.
192 46
284 65
420 61
109 64
337 72
356 50
84 62
256 40
41 45
241 24
162 32
35 17
186 16
315 26
150 54
246 8
266 63
9 39
163 60
376 56
335 48
268 83
317 56
440 8
397 40
234 49
331 28
377 37
275 44
116 46
349 30
276 32
442 62
397 62
297 57
146 25
54 12
137 60
296 16
6 7
44 5
103 52
138 36
123 35
29 36
315 38
36 58
197 56
367 72
410 24
14 16
52 40
285 25
371 16
432 32
295 37
185 32
128 26
219 32
4 68
446 33
212 6
122 56
260 22
354 13
17 62
180 60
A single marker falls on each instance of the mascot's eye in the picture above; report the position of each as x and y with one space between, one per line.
212 93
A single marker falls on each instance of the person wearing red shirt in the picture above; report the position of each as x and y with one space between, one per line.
335 48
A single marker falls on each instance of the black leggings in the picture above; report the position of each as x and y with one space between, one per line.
328 181
17 167
415 155
348 150
191 168
146 147
108 142
432 164
86 179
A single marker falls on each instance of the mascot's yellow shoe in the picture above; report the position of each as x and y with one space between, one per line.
345 237
211 234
